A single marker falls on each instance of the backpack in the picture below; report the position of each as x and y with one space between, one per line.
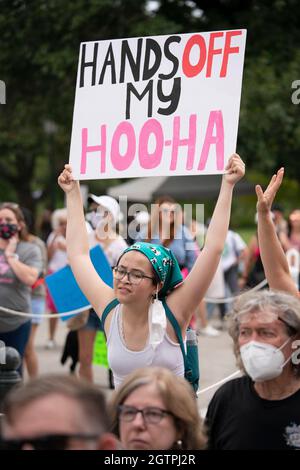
190 356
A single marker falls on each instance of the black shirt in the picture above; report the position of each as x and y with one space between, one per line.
237 418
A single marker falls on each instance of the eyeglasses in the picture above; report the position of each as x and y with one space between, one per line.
151 414
46 442
134 277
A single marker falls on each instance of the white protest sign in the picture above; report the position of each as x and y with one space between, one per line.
157 106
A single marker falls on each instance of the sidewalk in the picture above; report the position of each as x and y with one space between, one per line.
215 355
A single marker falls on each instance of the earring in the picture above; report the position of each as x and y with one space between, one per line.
179 443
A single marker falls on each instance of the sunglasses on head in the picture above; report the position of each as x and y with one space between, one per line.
45 442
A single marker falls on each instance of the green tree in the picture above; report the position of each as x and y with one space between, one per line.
269 122
38 62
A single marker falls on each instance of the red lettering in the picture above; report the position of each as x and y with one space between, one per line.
192 70
212 51
229 50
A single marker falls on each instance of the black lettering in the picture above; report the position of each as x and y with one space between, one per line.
109 61
132 89
173 97
171 57
153 46
85 64
134 63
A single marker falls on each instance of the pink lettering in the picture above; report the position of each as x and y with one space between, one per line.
151 160
190 142
215 119
123 162
85 149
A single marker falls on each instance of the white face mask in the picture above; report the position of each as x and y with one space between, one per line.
157 322
262 361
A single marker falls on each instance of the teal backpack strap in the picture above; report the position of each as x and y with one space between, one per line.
175 324
108 309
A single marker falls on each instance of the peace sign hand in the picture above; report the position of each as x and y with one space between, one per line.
265 199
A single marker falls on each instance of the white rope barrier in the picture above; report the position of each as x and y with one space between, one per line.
237 372
45 315
87 307
225 300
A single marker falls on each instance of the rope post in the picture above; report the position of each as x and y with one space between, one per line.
9 376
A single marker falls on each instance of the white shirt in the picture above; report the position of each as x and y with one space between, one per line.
113 251
234 245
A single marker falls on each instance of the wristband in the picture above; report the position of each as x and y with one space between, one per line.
12 255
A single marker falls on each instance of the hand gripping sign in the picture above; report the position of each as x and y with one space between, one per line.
163 105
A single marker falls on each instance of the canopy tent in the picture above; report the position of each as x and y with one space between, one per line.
184 188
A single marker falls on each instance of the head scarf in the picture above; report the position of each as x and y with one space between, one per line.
163 262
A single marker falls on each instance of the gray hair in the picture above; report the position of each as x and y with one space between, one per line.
285 306
57 216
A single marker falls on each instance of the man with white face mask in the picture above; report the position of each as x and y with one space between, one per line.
261 410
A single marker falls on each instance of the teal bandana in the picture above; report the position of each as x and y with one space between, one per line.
163 262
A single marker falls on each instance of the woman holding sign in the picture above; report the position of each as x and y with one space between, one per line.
138 333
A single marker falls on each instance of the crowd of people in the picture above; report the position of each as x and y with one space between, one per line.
162 274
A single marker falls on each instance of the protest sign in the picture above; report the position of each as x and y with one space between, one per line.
64 289
156 106
100 350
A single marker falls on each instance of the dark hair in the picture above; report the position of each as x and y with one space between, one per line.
28 218
277 207
289 223
90 399
158 202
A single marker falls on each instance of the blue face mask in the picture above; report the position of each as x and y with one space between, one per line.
8 230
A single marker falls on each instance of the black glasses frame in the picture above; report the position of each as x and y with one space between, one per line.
143 411
128 274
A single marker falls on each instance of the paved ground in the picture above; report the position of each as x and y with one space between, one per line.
215 355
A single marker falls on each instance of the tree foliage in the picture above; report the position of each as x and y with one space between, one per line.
38 62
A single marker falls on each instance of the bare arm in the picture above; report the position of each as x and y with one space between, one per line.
26 274
184 300
96 291
271 252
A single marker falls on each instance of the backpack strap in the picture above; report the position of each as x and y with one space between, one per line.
175 325
108 309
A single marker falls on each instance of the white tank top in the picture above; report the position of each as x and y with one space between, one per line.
123 361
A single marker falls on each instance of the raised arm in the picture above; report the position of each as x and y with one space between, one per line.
187 297
95 290
271 252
